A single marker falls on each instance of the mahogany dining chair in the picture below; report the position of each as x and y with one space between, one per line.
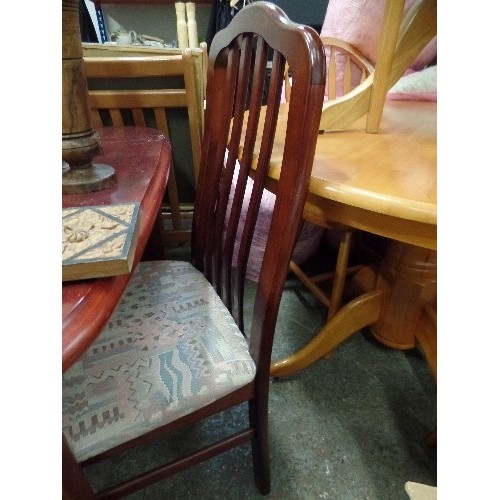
175 350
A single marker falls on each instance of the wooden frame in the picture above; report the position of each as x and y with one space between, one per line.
150 106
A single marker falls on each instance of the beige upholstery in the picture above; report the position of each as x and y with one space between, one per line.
170 348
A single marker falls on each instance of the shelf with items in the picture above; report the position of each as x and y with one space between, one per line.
112 15
146 2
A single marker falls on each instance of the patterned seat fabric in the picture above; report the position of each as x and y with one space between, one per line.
171 347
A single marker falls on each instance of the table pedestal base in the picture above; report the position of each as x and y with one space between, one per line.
401 303
407 278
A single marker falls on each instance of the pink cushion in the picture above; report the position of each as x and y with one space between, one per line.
416 86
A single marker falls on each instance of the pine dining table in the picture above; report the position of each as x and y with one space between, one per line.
385 184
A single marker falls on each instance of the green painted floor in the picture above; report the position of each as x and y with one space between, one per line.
353 426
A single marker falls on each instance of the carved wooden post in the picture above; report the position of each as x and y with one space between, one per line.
409 278
80 143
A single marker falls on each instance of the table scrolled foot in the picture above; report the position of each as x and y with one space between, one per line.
351 318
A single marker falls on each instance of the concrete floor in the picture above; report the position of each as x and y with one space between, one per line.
353 426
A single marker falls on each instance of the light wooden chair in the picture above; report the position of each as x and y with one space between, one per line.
355 63
401 40
175 350
143 89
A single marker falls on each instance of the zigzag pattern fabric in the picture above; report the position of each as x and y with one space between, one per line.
171 347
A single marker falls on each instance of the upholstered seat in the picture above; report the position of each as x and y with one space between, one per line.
170 348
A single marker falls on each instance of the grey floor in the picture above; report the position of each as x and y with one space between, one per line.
353 426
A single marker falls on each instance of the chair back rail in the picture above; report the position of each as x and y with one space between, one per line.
150 107
232 118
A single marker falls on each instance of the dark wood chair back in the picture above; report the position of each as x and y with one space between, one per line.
238 82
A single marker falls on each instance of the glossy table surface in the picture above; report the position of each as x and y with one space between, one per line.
142 159
384 183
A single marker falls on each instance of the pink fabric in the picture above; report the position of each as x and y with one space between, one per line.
413 96
416 86
307 243
358 22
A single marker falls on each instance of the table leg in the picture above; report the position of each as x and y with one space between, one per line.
406 283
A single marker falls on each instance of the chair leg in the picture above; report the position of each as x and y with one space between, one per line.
154 246
339 277
74 484
258 416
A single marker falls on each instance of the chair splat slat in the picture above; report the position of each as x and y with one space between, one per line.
139 118
116 117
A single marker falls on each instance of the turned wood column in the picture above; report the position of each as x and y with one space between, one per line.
80 143
408 277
